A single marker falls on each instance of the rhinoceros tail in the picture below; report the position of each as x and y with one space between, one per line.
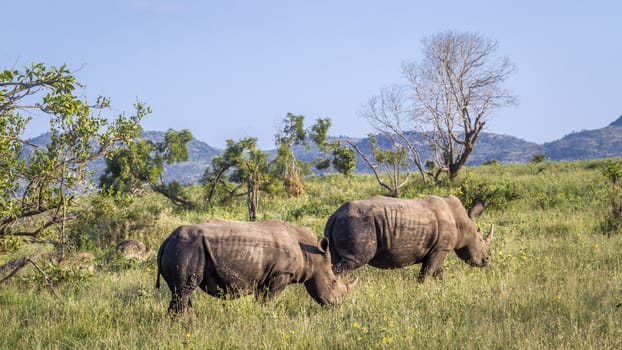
159 262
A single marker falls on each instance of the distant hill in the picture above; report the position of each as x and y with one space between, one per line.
588 144
200 155
489 146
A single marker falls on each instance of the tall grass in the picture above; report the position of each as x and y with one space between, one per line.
554 282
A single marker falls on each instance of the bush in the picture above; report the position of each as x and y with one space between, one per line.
108 219
496 195
613 173
492 162
538 158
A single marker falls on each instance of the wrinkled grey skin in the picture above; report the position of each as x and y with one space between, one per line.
388 233
229 259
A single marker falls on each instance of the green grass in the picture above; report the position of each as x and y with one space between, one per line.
554 282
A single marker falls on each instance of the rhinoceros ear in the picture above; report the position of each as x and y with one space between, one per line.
322 244
477 209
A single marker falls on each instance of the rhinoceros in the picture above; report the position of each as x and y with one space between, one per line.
229 259
389 233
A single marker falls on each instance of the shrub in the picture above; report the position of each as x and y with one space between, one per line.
613 173
492 162
538 158
496 195
110 219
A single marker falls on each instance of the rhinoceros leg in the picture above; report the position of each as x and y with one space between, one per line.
432 264
269 291
182 286
180 302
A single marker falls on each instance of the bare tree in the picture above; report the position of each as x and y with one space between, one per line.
388 161
389 114
455 87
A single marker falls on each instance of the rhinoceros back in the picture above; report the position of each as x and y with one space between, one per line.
384 232
244 254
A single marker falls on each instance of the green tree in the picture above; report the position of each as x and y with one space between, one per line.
344 159
289 169
142 162
252 170
41 183
241 167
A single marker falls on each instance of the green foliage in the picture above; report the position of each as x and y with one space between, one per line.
292 170
40 183
492 162
59 274
553 281
111 217
388 163
174 148
142 162
319 133
242 167
612 172
496 195
344 160
538 158
130 168
116 261
9 244
285 165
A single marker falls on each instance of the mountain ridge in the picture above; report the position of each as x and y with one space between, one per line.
605 142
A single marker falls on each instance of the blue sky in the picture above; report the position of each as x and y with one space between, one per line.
233 69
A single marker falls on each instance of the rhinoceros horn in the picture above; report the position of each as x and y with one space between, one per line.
488 237
351 285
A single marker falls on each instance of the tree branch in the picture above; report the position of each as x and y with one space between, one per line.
373 167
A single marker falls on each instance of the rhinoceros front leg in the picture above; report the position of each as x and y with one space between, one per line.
269 292
432 265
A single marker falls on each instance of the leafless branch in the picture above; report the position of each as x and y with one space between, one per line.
372 166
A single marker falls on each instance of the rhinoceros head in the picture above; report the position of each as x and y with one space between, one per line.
474 247
323 286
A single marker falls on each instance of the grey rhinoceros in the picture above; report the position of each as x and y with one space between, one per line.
388 233
234 258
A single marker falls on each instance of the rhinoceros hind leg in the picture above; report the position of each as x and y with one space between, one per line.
179 303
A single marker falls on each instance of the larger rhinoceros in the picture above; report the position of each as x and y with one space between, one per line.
388 233
233 258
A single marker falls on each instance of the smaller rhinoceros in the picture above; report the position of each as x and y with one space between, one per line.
391 233
234 258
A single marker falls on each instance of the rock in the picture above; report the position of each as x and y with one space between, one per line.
134 249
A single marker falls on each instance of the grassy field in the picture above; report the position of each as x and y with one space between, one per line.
554 280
